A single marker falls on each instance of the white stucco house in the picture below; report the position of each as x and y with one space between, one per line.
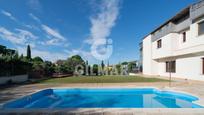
177 46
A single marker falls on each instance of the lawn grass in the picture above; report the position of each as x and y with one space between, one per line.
102 79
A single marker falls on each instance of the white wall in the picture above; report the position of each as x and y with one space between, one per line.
186 68
173 45
168 45
193 44
14 79
149 65
182 44
188 55
147 56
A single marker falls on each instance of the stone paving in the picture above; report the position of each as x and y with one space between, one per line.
195 88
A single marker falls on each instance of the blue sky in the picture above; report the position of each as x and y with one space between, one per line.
57 29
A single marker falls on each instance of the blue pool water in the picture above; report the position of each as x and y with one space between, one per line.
104 98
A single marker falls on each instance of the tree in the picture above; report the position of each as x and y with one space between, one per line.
118 68
21 57
16 57
38 67
2 49
95 69
11 64
62 67
37 59
60 62
89 70
10 52
108 68
131 66
49 68
86 69
74 61
28 52
102 67
124 67
124 63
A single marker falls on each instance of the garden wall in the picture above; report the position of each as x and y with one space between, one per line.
13 79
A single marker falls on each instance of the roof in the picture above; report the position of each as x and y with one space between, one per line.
174 18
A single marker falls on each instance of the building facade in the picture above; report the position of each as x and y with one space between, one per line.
177 46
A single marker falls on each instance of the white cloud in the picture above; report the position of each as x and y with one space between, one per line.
10 36
31 27
34 17
26 34
55 38
54 42
8 14
52 32
20 36
103 21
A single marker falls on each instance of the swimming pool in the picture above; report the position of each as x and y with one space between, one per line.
104 98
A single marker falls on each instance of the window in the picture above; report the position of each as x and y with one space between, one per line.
184 36
201 28
203 65
159 43
171 66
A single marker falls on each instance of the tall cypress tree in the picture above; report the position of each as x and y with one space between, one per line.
28 52
87 67
102 65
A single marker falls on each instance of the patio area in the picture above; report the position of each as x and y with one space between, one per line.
187 86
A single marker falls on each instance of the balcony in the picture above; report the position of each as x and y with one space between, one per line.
172 47
197 10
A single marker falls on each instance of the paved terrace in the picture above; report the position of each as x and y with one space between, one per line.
195 88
